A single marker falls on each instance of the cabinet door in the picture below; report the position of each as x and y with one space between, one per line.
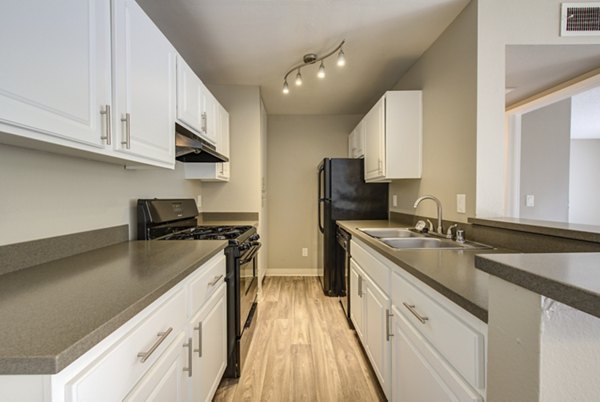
55 77
144 66
419 373
190 97
375 141
223 142
356 298
209 342
165 380
210 117
377 307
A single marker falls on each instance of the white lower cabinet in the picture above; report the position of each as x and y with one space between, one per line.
422 346
370 314
164 381
209 347
174 350
419 372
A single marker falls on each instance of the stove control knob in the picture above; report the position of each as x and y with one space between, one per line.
254 237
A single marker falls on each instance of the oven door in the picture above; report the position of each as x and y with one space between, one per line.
248 284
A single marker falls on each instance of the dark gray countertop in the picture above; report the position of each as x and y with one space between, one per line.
450 272
53 313
570 278
567 230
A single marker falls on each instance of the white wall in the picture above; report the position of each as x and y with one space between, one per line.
44 194
584 172
501 23
446 73
296 145
545 144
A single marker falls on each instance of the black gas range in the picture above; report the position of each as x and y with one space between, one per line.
175 219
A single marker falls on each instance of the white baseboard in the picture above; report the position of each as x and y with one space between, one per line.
292 272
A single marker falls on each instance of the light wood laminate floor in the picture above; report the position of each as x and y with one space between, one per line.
303 350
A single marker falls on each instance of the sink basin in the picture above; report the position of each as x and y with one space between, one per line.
426 242
391 233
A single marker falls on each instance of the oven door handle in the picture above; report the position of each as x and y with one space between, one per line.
251 253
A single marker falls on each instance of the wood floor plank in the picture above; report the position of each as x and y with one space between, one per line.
303 350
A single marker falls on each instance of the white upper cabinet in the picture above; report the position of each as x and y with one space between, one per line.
393 137
55 74
356 141
214 171
144 81
196 106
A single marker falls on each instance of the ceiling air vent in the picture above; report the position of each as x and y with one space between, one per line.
580 19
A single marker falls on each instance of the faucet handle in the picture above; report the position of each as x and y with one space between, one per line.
449 231
460 235
430 226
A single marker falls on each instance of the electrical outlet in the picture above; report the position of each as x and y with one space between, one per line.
199 202
530 200
461 203
394 200
304 252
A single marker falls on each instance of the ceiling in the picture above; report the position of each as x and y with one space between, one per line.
255 42
531 69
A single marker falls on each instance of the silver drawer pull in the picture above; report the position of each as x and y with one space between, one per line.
388 315
161 337
199 329
411 308
188 345
106 114
215 280
127 121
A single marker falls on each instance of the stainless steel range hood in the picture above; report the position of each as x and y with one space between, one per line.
190 148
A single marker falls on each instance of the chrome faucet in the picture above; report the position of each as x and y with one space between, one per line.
439 228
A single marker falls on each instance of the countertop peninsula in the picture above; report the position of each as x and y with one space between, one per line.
570 278
53 313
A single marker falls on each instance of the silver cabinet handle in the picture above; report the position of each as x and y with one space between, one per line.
360 292
161 337
204 122
106 113
188 345
215 280
388 315
127 121
199 329
411 308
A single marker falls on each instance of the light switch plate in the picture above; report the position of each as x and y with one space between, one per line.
461 203
304 252
394 200
199 202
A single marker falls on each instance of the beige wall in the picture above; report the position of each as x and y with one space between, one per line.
296 145
242 192
447 75
44 194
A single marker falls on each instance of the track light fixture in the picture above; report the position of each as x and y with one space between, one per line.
312 58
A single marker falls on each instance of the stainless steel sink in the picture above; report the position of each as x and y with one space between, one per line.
390 233
428 242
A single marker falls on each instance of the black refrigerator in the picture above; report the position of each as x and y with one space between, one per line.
343 195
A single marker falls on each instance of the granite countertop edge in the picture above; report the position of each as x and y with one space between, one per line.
464 302
576 297
53 364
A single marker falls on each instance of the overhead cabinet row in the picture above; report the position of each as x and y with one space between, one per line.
104 86
389 137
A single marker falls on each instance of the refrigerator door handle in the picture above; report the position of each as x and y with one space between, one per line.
320 199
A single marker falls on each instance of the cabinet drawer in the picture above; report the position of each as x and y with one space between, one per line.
377 270
204 282
113 374
461 344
